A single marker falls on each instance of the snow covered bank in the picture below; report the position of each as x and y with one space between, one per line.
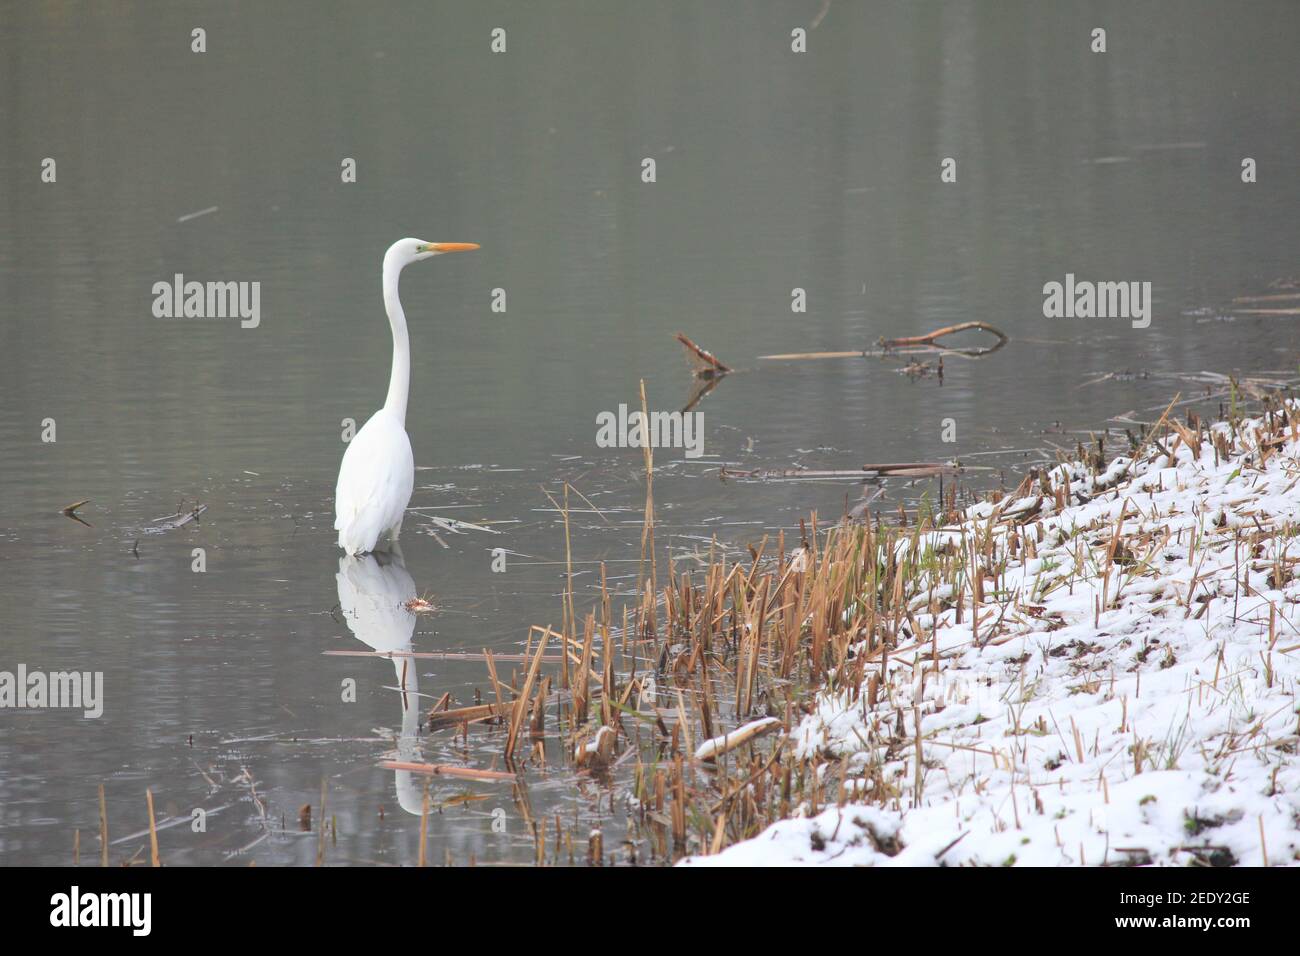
1112 680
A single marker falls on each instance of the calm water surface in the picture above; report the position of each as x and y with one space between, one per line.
775 171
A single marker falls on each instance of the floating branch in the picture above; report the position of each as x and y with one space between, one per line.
703 362
447 770
910 344
929 338
1272 297
707 368
442 656
441 715
472 714
1280 297
917 469
71 512
913 469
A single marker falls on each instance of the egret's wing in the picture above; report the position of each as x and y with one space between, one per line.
375 483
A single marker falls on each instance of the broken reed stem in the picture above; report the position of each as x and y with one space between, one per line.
521 702
468 715
153 830
704 362
496 684
711 750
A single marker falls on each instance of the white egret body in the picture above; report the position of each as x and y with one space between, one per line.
378 470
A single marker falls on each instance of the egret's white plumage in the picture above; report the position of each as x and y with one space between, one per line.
378 470
375 484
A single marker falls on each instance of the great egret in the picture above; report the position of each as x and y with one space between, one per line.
378 470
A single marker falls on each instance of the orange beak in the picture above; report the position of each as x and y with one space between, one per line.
451 247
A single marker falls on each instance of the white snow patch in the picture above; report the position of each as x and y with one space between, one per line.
1139 707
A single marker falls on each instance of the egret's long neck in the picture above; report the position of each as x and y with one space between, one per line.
399 383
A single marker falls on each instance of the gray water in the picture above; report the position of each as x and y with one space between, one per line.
775 170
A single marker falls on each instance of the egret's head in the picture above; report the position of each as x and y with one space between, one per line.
405 251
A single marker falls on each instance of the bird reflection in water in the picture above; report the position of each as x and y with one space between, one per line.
374 590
